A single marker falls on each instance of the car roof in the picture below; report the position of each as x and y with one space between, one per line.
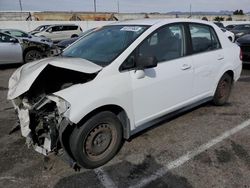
7 34
151 22
62 25
13 30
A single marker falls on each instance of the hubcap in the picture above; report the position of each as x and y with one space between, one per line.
223 89
99 140
32 56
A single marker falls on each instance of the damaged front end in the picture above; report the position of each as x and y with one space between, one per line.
44 116
40 121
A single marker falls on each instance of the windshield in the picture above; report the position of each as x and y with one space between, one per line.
104 45
17 33
242 27
41 28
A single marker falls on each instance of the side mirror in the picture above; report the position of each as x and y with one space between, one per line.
146 62
13 40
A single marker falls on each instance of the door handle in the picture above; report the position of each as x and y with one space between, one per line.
220 57
185 67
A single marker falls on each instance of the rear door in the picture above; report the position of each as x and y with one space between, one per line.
168 86
56 33
10 51
70 31
207 57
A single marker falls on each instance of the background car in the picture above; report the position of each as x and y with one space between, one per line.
39 29
244 43
229 34
18 50
219 24
230 27
60 32
241 30
23 35
65 43
10 49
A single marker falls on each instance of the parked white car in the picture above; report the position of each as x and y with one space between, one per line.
118 81
60 32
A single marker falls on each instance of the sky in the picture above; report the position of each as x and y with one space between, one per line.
162 6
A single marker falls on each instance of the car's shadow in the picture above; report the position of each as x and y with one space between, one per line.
246 66
10 66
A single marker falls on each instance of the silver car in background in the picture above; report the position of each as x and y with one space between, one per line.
10 49
20 50
26 36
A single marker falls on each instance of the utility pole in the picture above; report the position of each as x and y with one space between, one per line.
118 6
20 3
190 10
95 5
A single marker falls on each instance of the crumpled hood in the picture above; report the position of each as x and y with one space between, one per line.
22 79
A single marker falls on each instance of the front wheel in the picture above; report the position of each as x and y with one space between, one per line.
32 55
223 90
96 141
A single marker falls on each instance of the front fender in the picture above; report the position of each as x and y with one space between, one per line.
84 98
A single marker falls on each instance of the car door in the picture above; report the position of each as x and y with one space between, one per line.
10 50
167 87
207 58
55 33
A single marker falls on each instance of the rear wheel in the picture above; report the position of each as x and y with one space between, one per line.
223 90
32 55
74 35
96 141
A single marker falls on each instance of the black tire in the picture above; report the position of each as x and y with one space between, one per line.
73 36
223 90
97 141
32 55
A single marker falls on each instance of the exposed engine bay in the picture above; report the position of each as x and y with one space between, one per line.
41 113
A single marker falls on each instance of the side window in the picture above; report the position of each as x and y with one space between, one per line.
18 34
69 27
203 38
56 28
165 44
5 38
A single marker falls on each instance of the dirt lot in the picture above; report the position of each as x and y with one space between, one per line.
197 149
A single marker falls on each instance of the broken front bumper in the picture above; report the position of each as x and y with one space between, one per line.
41 122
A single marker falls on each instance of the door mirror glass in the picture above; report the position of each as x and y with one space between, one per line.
146 62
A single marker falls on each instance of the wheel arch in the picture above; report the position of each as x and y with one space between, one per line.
31 48
230 72
117 110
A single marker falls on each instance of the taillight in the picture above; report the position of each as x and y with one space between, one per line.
241 55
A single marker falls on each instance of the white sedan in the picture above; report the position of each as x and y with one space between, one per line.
118 81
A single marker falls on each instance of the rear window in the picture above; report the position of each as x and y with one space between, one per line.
203 38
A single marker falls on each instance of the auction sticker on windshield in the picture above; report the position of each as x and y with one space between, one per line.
131 28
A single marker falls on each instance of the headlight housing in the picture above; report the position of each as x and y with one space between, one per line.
61 104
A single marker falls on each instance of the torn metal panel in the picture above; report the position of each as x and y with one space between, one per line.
23 78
